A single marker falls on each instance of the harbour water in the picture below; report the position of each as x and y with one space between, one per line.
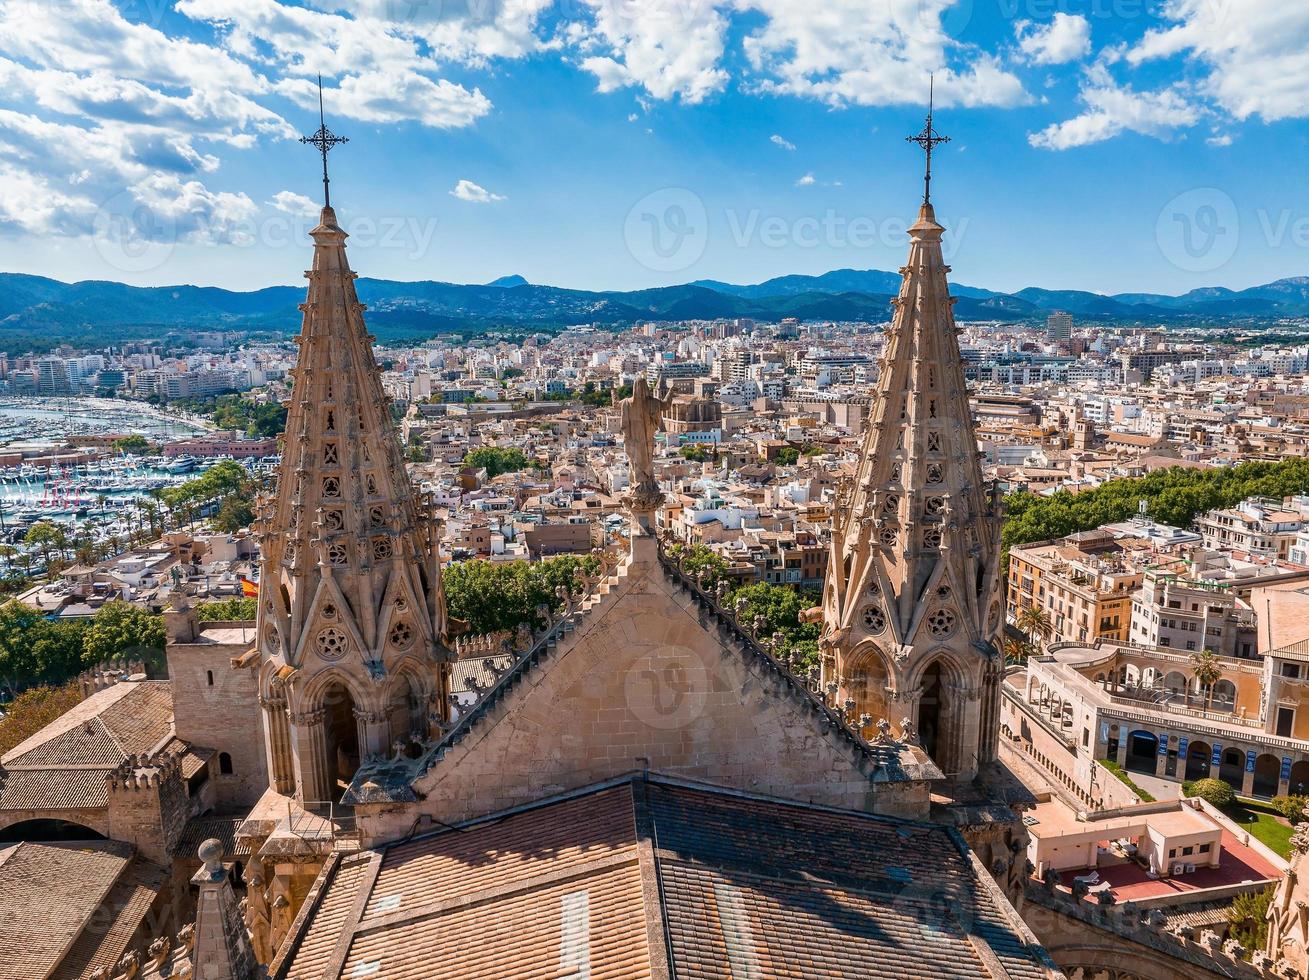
103 499
25 419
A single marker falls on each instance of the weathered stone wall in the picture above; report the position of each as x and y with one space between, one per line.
644 684
148 806
216 705
1122 943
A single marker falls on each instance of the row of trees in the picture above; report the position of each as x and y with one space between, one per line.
255 419
36 649
226 484
1173 496
240 609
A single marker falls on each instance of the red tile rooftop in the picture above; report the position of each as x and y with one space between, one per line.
1238 864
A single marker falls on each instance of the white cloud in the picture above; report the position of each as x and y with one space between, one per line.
91 35
851 52
669 48
388 97
1254 49
293 203
1220 139
1112 109
781 141
806 181
1066 38
466 190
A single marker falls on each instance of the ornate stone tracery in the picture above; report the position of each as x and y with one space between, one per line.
330 540
932 558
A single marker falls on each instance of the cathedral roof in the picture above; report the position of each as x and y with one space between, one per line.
67 909
129 718
644 876
590 660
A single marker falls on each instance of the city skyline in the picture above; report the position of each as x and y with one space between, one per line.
599 147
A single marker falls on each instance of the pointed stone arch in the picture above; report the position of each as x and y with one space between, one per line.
330 724
945 712
869 677
409 695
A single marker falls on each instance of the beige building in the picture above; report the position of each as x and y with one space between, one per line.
1083 583
1174 612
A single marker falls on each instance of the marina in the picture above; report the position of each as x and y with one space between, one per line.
101 495
26 419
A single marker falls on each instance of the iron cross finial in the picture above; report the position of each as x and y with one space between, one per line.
928 139
324 140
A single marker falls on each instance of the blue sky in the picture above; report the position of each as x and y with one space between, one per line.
1111 145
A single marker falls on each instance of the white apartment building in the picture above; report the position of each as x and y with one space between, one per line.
1258 526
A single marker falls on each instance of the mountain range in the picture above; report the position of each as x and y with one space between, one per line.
33 306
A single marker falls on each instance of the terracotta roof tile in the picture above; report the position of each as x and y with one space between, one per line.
751 889
54 789
118 921
126 719
48 894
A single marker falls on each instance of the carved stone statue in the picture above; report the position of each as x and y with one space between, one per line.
642 417
258 921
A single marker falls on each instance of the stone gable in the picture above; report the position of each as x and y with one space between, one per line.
647 682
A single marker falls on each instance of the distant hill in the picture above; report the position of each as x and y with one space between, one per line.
32 307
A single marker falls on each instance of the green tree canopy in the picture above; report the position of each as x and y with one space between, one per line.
787 456
32 710
1174 496
496 460
134 445
241 609
1247 919
121 629
233 514
500 595
33 648
780 608
1215 792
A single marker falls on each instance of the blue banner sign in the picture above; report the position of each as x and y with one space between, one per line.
1182 743
1249 760
1218 755
1163 744
1286 768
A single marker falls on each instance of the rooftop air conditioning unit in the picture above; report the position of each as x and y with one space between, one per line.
1178 869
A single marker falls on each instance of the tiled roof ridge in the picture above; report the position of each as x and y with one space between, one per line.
79 714
126 854
285 956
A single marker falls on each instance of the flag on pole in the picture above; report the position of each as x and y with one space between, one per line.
249 589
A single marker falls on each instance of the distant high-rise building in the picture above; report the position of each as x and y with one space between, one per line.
52 376
1059 326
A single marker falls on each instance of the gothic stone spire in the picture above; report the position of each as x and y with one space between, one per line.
911 605
351 610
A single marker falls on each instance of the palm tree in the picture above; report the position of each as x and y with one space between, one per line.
1017 649
1208 671
1035 622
